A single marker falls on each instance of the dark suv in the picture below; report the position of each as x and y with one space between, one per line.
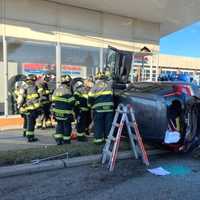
157 104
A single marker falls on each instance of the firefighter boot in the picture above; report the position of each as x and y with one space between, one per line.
81 137
24 133
32 139
59 142
66 140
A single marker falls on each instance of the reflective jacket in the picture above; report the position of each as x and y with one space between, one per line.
29 98
81 97
100 98
44 93
15 96
63 102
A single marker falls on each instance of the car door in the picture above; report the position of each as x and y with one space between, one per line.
120 64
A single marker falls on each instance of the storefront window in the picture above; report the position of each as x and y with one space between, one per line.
154 75
79 61
27 57
2 79
146 73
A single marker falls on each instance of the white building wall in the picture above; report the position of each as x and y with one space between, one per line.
42 20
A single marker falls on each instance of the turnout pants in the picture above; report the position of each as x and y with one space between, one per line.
24 124
44 119
31 117
47 114
102 124
83 122
63 129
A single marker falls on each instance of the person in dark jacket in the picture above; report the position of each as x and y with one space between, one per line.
29 104
63 109
83 113
44 119
100 99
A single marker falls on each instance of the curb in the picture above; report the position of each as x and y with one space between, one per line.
64 163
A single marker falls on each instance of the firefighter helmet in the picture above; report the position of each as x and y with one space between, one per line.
66 79
31 78
78 85
46 77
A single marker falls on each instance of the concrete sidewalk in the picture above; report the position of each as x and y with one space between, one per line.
14 149
13 140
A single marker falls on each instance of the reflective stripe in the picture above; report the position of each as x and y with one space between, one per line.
58 136
39 124
33 106
32 96
66 137
80 134
40 90
22 110
29 133
17 93
81 95
85 96
84 109
96 141
178 126
62 111
102 111
102 104
61 118
45 101
48 122
101 93
77 103
47 92
56 98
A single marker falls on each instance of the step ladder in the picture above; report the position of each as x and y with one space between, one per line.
124 116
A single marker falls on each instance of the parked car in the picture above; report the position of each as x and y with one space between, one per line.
157 105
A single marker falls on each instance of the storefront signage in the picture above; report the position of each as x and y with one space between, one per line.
74 71
37 68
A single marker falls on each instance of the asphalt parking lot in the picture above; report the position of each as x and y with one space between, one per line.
130 180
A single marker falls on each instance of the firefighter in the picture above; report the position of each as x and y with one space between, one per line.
83 114
101 101
29 106
18 98
63 105
44 120
15 95
98 75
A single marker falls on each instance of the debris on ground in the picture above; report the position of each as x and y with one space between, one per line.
172 170
159 171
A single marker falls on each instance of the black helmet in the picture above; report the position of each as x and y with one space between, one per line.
46 77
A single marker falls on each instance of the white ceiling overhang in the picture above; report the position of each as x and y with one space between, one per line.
172 15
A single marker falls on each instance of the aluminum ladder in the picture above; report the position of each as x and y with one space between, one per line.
124 116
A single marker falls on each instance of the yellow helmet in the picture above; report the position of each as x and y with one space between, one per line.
107 73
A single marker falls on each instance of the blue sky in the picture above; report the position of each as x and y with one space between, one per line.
185 42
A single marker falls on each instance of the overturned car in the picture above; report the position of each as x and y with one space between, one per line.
160 107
